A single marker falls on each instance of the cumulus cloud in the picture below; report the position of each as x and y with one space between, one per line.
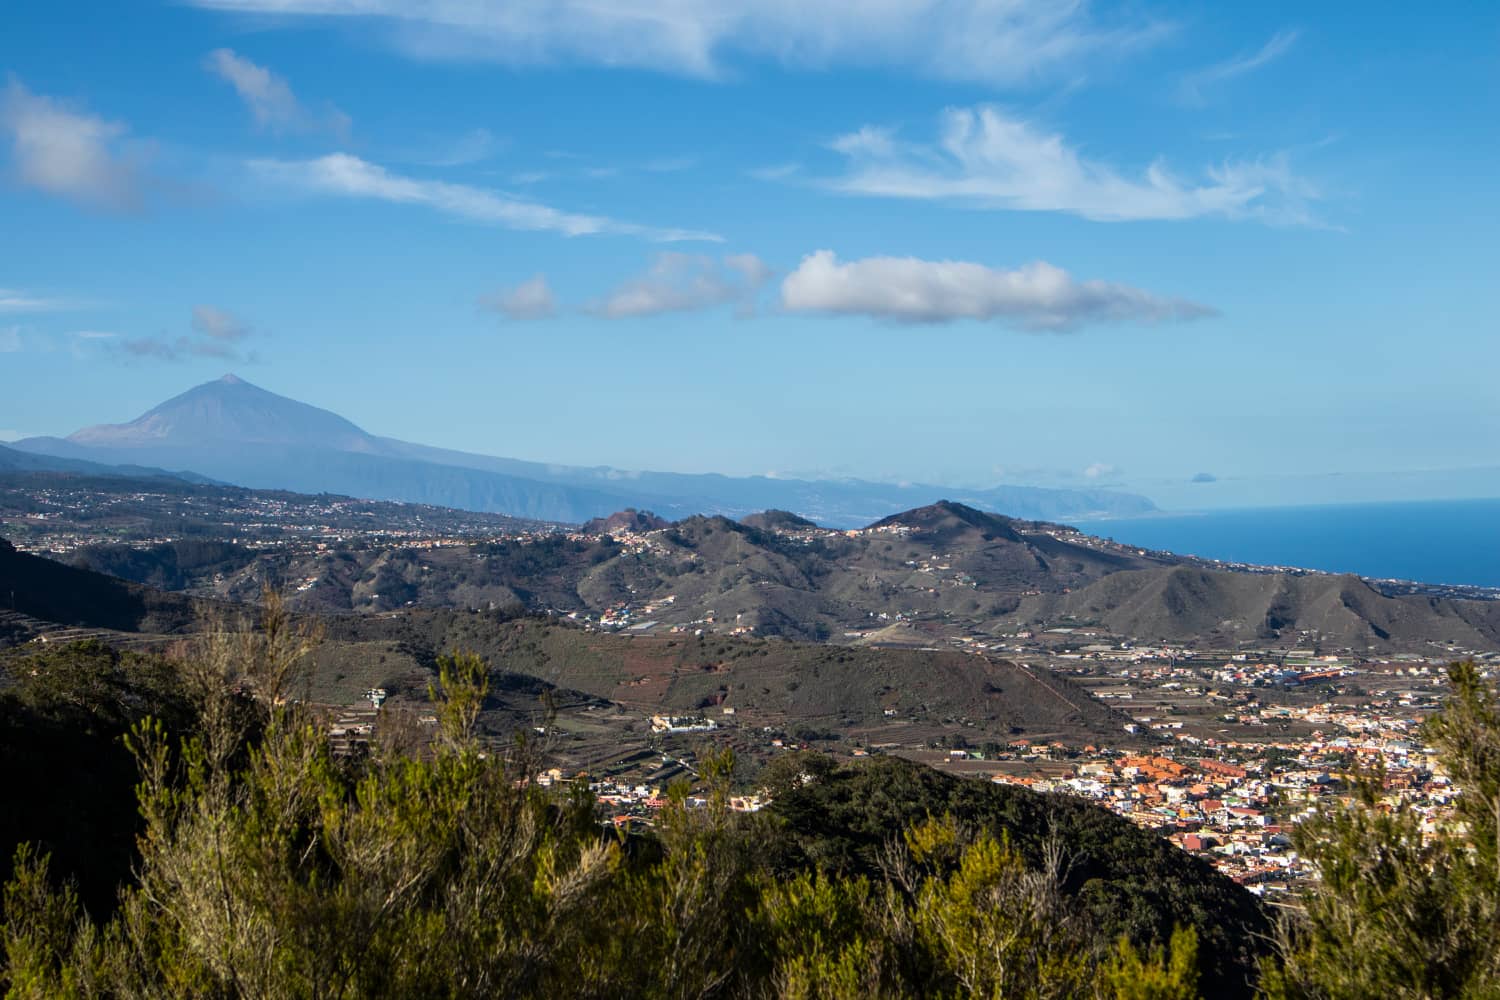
1037 296
269 97
680 282
67 152
996 42
1246 62
531 299
349 176
988 159
215 334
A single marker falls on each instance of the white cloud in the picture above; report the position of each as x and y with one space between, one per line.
1099 470
755 271
998 42
1037 296
1246 62
679 282
349 176
14 300
531 299
869 140
986 158
269 97
10 339
67 152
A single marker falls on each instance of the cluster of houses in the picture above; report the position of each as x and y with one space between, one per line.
1237 809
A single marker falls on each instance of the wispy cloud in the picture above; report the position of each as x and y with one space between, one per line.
270 99
215 334
988 159
996 42
679 282
473 146
774 172
14 300
68 152
1037 296
531 299
349 176
1194 84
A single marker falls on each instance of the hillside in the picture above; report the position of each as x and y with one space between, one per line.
765 682
943 561
921 577
50 592
630 519
1188 603
13 460
1129 880
829 824
847 691
55 511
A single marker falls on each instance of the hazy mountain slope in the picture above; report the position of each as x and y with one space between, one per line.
243 434
374 477
14 460
230 409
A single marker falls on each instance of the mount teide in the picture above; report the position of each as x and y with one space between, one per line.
239 433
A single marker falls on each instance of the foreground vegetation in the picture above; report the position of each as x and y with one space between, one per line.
256 864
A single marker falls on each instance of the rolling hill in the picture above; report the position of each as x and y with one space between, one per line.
1189 603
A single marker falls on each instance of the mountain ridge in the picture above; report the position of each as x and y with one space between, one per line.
918 578
237 432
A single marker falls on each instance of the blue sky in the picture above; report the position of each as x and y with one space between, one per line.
957 241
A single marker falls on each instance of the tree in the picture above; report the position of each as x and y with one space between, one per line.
1399 912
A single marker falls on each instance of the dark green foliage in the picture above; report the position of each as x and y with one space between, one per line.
68 777
53 592
269 869
1126 880
168 566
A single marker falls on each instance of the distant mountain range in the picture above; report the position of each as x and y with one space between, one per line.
238 433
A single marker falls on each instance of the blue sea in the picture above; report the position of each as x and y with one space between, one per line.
1439 541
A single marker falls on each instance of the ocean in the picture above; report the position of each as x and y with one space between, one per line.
1437 541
